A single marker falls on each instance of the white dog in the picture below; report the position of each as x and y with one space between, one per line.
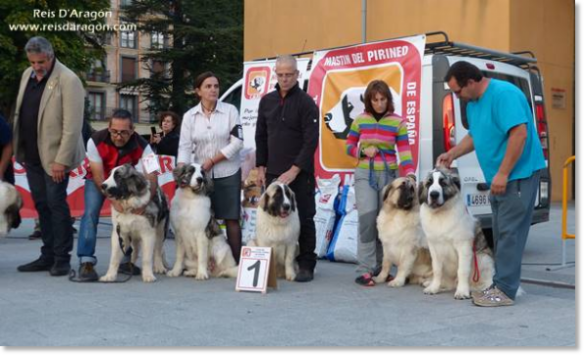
10 205
132 190
278 227
199 240
401 236
452 233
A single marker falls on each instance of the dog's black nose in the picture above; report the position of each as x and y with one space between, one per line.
434 195
286 206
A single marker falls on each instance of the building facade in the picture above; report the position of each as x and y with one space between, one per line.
544 27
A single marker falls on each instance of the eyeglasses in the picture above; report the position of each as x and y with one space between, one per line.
286 75
121 133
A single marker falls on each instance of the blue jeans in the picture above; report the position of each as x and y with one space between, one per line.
54 216
86 241
511 220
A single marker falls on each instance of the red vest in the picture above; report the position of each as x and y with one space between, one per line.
113 156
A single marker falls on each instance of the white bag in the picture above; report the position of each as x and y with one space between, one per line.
344 245
325 216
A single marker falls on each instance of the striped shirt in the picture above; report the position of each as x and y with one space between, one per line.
389 135
202 138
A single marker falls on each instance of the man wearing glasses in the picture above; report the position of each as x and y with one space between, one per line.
106 149
287 131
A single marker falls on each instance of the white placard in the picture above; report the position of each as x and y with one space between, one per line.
253 271
151 163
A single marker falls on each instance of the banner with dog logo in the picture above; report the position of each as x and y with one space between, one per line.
337 83
259 79
75 187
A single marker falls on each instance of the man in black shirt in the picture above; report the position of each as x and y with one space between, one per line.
286 138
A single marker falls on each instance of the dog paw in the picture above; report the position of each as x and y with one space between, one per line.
160 270
202 276
431 290
191 272
379 279
148 278
290 277
396 283
462 295
108 278
174 273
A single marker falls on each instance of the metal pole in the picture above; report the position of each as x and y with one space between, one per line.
364 21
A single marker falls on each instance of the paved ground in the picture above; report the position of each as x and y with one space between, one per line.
39 310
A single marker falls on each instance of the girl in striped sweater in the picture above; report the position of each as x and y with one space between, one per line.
376 138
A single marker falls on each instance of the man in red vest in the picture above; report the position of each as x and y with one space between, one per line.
107 149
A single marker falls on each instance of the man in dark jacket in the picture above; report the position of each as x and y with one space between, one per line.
286 138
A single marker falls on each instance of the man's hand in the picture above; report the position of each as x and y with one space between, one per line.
261 176
57 172
445 159
370 151
289 176
499 184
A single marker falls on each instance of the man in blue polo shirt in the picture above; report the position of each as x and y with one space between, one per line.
503 134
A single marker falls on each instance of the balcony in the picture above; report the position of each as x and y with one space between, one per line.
98 76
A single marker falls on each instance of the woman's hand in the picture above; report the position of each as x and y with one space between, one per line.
155 139
370 151
208 164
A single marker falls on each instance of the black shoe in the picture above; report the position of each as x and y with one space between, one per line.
35 235
37 265
60 269
304 276
87 273
124 269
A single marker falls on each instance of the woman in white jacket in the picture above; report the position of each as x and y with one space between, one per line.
211 135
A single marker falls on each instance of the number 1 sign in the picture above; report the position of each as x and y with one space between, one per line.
256 270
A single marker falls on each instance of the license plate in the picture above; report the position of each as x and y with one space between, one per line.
480 199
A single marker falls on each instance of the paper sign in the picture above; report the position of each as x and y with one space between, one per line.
256 270
151 163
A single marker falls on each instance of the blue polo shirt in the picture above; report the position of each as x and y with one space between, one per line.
502 107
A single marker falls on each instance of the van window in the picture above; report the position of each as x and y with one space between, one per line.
235 97
521 83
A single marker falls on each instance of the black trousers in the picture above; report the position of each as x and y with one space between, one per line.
54 216
304 188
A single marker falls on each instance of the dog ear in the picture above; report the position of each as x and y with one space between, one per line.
178 172
422 193
136 183
13 216
456 180
292 198
386 192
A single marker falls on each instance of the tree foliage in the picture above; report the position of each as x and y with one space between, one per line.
204 35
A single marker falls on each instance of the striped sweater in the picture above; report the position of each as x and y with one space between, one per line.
389 135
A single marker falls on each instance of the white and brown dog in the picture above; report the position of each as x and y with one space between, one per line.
401 235
452 233
10 205
278 227
201 245
132 190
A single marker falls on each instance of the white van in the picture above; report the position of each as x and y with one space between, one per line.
443 116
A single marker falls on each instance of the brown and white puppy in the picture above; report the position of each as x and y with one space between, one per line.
201 245
401 236
10 205
278 227
132 190
451 232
